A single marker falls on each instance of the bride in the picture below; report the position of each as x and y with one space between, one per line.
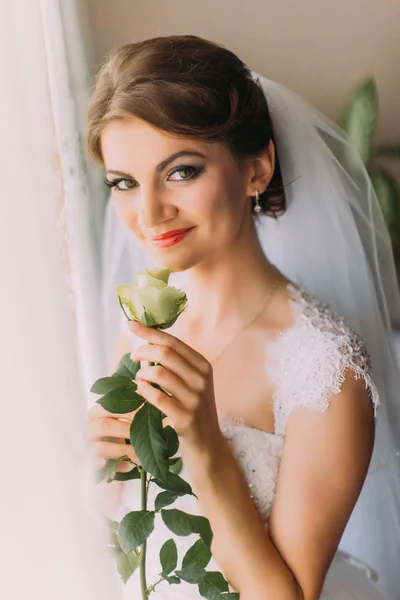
281 371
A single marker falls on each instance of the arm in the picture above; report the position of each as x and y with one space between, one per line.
323 467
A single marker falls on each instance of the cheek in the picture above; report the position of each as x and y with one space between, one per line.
217 198
126 214
218 206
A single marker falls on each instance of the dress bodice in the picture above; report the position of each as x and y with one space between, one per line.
307 365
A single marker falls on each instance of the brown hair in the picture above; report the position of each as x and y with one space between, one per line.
186 86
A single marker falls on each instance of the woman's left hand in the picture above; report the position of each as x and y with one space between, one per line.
188 377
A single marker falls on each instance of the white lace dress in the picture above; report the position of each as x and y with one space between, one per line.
306 364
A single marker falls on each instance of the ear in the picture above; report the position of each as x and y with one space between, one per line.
260 170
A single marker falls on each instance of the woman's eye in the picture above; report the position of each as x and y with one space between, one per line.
124 184
185 173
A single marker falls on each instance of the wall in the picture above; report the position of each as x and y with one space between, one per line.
314 47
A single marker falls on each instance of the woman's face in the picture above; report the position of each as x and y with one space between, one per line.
190 190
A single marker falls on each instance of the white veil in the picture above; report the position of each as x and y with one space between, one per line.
333 241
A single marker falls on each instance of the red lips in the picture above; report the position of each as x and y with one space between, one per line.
168 234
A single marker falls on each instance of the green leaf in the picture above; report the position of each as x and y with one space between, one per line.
164 499
102 472
198 554
108 469
214 586
127 368
168 557
135 528
391 150
146 434
182 523
121 401
112 525
133 474
387 192
126 564
172 579
171 438
113 535
112 465
360 117
174 483
175 465
192 574
109 384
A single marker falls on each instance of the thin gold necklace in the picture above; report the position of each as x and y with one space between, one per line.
254 317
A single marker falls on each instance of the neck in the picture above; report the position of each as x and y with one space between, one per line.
228 290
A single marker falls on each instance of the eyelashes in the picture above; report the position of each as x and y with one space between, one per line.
131 184
114 183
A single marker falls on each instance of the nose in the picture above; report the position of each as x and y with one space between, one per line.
153 209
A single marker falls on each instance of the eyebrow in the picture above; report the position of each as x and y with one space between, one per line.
160 167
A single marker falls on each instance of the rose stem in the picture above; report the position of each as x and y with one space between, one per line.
142 560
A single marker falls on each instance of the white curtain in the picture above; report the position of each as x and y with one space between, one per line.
53 541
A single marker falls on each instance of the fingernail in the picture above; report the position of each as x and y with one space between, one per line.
133 325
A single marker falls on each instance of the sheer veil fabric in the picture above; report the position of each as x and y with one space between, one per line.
332 241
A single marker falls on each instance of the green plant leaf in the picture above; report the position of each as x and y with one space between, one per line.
214 586
108 469
126 564
113 535
391 150
192 574
109 384
165 499
127 368
175 465
174 483
112 465
121 401
387 192
101 473
148 441
133 474
181 523
135 528
171 438
112 525
198 554
360 117
168 557
172 578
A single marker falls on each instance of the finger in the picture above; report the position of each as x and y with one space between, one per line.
157 336
109 450
124 466
167 404
98 412
171 360
106 427
169 382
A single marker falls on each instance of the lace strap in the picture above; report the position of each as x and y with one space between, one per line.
307 364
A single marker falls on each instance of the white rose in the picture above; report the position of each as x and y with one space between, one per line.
152 301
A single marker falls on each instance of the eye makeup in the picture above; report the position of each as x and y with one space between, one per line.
129 184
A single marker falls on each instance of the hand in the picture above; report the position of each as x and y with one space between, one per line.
107 433
187 378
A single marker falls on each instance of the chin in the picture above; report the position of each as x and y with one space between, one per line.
175 261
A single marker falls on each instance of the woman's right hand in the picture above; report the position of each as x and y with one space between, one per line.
107 434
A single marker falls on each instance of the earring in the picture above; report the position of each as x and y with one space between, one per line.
257 209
